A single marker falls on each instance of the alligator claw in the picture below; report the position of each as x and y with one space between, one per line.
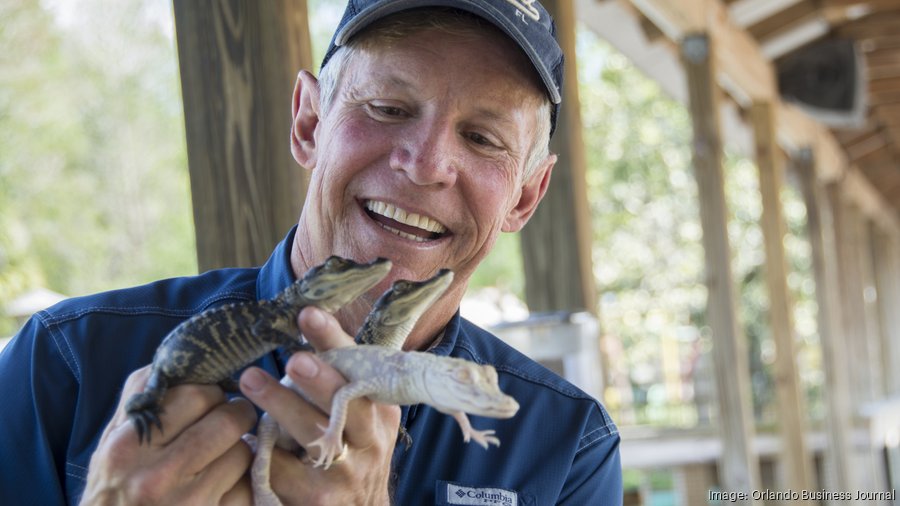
143 409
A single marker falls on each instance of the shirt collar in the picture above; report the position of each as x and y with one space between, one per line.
449 338
277 274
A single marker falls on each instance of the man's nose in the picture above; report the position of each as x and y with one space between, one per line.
427 154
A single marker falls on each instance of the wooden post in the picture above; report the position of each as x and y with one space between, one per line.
847 227
887 279
796 461
739 469
556 243
239 61
872 345
867 467
823 244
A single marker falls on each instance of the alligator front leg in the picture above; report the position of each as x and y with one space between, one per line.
482 437
330 442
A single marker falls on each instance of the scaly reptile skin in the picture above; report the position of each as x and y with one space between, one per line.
388 375
212 346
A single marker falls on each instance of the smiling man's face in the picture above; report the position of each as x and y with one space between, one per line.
421 155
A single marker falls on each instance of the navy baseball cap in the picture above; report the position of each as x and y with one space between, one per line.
524 21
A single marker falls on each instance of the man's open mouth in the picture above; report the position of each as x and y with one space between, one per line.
403 223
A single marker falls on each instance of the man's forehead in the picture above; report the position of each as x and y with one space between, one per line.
483 41
390 70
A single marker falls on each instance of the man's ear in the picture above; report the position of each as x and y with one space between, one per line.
305 118
533 190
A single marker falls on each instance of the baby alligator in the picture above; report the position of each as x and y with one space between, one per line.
380 370
212 346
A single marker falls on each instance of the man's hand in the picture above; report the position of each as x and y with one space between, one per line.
199 458
371 431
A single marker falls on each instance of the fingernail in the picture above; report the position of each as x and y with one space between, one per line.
315 319
254 380
303 365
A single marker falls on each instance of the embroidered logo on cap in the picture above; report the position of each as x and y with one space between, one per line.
457 494
527 7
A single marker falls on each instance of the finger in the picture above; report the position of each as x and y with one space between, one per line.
225 473
367 422
181 407
292 412
239 495
344 483
213 435
294 477
316 379
322 330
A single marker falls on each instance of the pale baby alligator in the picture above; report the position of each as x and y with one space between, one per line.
212 346
379 370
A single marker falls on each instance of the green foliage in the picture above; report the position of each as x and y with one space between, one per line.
502 268
94 191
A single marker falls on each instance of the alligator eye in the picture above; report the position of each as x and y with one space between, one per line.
464 375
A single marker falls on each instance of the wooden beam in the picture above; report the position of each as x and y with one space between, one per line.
556 243
871 5
805 31
239 61
739 468
675 19
796 461
797 130
862 194
783 21
747 75
750 12
869 27
738 57
890 114
821 232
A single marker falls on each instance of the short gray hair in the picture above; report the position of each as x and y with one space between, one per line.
401 25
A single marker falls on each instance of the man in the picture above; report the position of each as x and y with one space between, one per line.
426 136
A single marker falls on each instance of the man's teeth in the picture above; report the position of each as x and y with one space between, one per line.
411 219
403 234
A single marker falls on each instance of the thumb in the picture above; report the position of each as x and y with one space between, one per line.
322 330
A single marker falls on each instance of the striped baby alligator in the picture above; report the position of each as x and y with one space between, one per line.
212 346
379 370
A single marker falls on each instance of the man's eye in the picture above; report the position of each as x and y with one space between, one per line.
388 111
480 139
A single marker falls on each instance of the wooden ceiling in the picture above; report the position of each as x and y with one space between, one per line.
781 28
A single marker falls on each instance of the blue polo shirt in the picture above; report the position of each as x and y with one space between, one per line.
61 377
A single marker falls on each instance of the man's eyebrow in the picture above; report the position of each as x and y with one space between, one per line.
381 83
395 80
494 115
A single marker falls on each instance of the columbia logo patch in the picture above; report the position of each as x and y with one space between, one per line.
457 494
